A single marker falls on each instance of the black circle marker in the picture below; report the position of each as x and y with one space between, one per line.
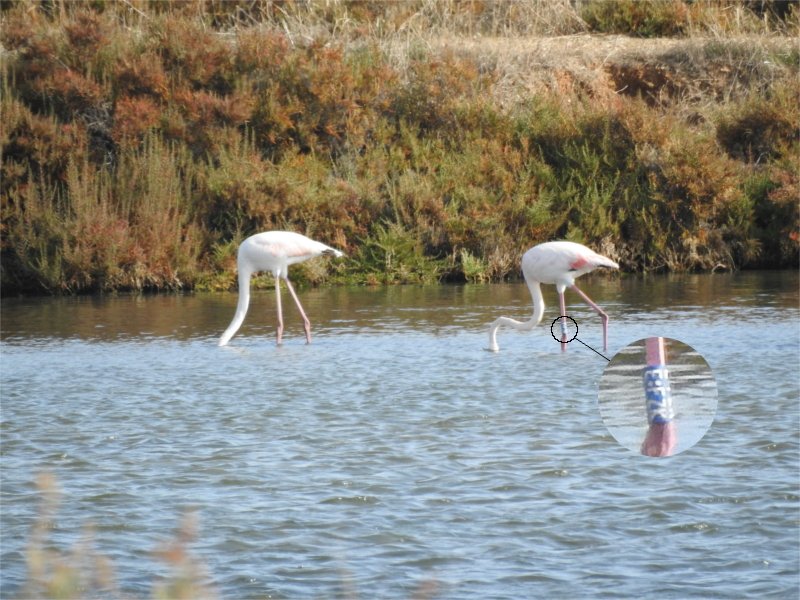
553 324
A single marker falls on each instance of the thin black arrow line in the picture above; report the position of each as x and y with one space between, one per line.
592 349
574 337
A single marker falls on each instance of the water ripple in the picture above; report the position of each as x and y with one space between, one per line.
394 456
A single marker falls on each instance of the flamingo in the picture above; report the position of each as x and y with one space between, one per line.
558 263
273 251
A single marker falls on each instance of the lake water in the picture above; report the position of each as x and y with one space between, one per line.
394 457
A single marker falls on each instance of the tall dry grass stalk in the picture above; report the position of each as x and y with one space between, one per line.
84 572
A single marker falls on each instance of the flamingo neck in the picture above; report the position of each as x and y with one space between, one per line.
244 289
241 305
538 302
536 317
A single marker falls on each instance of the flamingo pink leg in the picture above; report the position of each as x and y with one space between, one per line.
306 322
563 321
661 438
280 312
655 353
599 311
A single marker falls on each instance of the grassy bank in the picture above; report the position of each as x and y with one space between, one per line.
142 141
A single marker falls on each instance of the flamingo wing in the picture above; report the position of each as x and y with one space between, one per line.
562 262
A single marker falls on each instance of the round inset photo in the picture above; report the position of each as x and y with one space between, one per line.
657 397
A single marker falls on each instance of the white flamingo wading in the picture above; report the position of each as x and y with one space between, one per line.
559 264
273 251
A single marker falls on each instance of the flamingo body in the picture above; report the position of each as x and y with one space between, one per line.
559 264
273 251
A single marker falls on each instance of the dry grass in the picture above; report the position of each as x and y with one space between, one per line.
695 69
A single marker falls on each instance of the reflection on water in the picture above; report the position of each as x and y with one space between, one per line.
394 450
434 309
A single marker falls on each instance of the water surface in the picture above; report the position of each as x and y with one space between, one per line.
394 455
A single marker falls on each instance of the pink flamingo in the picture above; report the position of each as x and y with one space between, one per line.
557 263
273 251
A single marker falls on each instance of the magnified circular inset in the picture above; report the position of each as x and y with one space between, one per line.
657 397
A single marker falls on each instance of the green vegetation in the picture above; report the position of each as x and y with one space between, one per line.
142 141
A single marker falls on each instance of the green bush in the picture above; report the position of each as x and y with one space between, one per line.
652 18
760 130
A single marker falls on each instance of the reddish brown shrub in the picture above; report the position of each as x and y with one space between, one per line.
756 132
206 109
133 117
785 209
433 90
71 93
141 75
86 35
193 54
18 33
41 144
264 52
36 48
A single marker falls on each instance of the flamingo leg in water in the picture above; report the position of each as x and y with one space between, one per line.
280 312
306 322
563 305
599 311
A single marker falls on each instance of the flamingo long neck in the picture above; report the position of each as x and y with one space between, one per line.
538 303
241 306
538 311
